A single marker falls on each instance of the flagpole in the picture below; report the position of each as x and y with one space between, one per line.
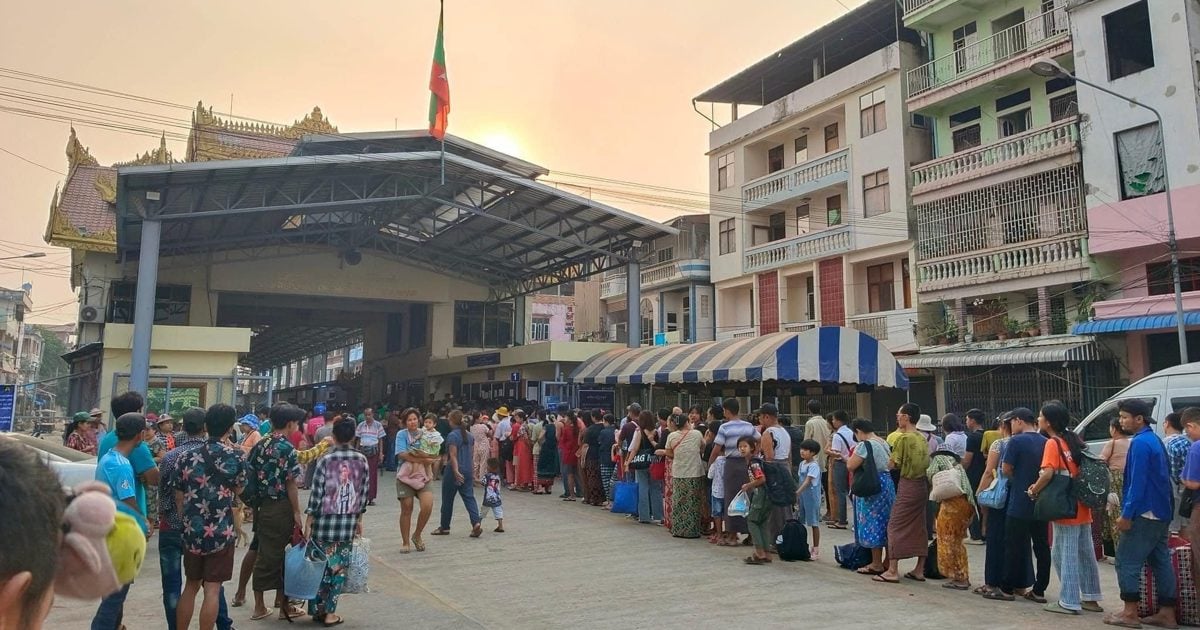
443 161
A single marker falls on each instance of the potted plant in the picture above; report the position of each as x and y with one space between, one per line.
1032 328
1012 328
949 333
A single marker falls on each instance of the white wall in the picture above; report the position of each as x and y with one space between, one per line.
1170 87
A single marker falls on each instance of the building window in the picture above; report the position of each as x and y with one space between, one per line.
777 226
1140 161
686 335
726 234
482 324
672 322
775 159
872 112
964 129
666 254
875 193
725 171
906 283
705 306
1013 123
1064 106
833 210
919 121
831 138
172 303
810 298
881 288
965 57
647 314
803 212
801 146
539 329
1160 282
1128 41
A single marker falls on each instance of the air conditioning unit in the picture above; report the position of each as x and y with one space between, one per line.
90 314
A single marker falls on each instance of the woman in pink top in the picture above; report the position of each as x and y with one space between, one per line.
1114 454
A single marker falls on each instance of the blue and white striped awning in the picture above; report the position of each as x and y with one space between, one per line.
826 355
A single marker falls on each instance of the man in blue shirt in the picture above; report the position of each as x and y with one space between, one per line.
145 470
1022 464
1145 520
115 470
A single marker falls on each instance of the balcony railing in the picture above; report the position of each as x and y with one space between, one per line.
827 242
798 327
986 53
746 332
913 5
895 328
1036 144
1019 261
797 180
654 276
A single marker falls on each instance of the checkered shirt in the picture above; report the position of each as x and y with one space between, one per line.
348 500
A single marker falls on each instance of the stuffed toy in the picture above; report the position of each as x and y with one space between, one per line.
102 548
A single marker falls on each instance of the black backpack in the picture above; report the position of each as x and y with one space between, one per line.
252 493
781 485
795 542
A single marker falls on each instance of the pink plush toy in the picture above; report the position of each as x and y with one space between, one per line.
85 565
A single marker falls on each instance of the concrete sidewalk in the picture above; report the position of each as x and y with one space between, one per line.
563 564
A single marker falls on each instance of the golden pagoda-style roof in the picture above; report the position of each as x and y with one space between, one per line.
82 212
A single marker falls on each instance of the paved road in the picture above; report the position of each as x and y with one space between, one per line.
569 565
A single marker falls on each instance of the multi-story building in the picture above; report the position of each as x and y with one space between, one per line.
14 304
676 295
1143 50
810 200
1001 224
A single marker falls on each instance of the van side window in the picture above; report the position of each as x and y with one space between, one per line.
1097 428
1179 403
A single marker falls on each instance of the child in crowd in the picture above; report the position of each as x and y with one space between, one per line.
716 473
808 495
748 447
491 494
431 442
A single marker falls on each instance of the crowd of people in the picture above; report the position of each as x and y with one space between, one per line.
920 493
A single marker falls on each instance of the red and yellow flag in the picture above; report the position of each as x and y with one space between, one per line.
439 88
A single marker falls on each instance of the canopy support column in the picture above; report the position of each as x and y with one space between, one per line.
633 302
143 309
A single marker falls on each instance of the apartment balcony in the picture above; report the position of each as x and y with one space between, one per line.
798 181
799 327
982 62
1021 260
896 329
806 247
745 332
929 15
1056 139
658 276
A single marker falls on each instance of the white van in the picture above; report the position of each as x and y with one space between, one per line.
1167 391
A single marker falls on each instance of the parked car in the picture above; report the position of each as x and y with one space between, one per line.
1167 391
71 466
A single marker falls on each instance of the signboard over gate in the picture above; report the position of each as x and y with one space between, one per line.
597 399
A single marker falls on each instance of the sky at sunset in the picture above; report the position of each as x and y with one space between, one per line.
601 88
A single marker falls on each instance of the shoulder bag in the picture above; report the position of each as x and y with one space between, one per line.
995 496
1057 500
866 478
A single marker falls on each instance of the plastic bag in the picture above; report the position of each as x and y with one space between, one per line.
358 567
303 569
740 506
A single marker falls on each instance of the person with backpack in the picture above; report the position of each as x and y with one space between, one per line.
758 520
1072 554
776 450
953 516
808 495
841 446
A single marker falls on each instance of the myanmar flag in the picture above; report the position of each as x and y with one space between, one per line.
439 88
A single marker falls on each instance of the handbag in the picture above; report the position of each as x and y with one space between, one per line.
995 496
866 478
358 567
641 460
1056 501
946 484
303 569
625 498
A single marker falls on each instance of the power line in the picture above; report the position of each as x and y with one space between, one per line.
25 159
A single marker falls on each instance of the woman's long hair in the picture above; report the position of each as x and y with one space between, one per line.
1058 418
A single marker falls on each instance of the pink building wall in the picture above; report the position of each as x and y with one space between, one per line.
1142 222
561 315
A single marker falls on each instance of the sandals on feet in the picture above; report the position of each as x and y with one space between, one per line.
1034 597
335 621
998 595
867 570
880 578
476 531
418 543
754 561
440 532
263 615
914 577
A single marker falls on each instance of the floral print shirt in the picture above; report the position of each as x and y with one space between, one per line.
273 462
208 496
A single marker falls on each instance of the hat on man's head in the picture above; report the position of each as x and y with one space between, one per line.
926 423
80 416
166 417
95 413
502 412
1024 414
769 409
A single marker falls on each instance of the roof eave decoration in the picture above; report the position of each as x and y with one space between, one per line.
77 154
61 233
203 145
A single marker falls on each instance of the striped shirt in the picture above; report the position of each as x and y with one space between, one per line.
730 432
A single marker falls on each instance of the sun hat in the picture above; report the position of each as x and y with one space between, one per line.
926 423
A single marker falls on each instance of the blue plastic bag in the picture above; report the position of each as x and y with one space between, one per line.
303 568
625 498
740 505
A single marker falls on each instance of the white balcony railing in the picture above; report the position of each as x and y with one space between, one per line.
798 327
796 180
913 5
1017 261
986 53
1036 144
894 328
827 242
653 276
745 332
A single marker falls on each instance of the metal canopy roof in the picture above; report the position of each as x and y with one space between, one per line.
484 224
870 27
1080 351
276 345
